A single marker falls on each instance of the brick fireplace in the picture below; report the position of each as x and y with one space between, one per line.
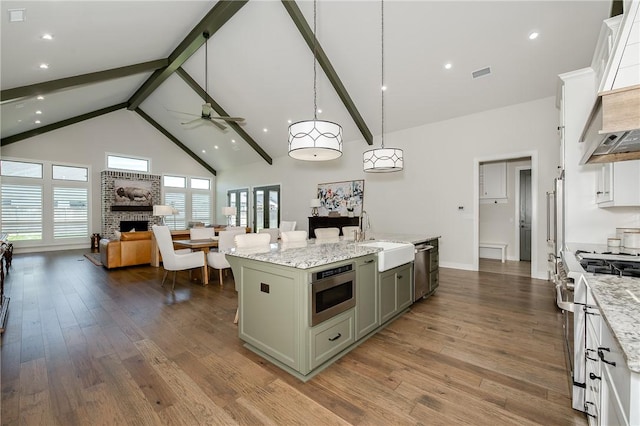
111 219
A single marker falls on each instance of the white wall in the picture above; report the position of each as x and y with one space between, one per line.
438 176
122 132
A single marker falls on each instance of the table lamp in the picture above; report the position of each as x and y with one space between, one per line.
228 212
314 204
162 211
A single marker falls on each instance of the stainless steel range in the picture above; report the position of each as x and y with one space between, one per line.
572 299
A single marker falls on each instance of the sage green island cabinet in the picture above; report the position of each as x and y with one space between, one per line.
367 307
395 291
279 289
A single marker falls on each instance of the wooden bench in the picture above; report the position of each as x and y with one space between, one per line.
500 246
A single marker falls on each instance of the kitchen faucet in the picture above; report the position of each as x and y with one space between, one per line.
363 225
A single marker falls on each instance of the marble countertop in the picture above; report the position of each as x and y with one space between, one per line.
403 238
619 301
306 254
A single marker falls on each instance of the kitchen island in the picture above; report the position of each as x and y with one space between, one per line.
303 306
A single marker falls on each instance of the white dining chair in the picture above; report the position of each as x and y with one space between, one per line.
173 261
274 232
348 232
327 233
287 225
202 233
217 259
293 236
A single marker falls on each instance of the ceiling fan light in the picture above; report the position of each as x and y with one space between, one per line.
315 140
383 160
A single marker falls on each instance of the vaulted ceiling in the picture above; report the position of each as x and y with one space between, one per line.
148 57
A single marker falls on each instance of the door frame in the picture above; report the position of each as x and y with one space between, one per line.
534 204
518 169
254 204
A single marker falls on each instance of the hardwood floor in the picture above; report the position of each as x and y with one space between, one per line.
87 346
510 267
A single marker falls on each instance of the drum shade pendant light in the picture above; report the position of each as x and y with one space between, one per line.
315 140
382 160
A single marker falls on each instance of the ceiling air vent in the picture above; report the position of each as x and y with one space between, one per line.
482 72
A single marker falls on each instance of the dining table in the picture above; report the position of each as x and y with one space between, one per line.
203 245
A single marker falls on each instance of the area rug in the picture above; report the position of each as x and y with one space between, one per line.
94 258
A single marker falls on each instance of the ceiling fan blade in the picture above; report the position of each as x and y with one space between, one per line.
182 112
237 119
192 121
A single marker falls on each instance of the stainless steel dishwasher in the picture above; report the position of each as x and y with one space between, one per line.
421 269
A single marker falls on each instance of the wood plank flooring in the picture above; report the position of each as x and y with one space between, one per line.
87 346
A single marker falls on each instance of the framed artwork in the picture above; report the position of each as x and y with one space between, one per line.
132 195
342 198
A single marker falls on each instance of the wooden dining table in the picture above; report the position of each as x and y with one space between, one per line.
202 245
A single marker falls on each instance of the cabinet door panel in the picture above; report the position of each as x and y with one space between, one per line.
367 318
387 296
403 288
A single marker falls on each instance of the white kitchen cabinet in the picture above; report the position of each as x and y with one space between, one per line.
618 184
623 62
493 181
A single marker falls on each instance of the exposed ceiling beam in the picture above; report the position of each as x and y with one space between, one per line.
212 22
175 140
220 111
323 60
69 121
94 77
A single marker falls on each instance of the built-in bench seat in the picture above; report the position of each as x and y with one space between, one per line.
500 246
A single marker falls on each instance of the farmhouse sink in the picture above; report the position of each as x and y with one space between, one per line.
392 254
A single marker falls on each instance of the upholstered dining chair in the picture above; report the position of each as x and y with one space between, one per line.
327 233
201 233
348 232
274 232
217 259
293 236
259 241
287 225
173 261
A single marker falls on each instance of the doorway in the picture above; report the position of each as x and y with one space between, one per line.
266 207
502 223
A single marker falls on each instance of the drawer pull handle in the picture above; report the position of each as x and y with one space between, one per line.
586 409
601 356
369 261
588 357
333 339
594 377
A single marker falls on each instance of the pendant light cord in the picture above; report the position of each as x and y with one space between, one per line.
315 89
382 66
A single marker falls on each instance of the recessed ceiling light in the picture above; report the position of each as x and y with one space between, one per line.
204 152
265 130
17 15
38 112
319 111
233 141
46 37
448 66
44 66
534 35
40 98
384 88
289 121
215 146
37 121
19 121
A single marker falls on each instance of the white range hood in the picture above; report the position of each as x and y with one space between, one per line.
612 132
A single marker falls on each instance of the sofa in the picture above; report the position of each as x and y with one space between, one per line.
132 248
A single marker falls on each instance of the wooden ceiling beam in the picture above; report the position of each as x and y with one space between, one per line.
220 111
54 126
323 60
32 90
175 141
212 22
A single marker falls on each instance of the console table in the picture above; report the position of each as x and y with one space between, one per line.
330 222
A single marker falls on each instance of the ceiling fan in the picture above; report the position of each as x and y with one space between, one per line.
207 109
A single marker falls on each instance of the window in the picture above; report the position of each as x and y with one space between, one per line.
239 198
121 162
21 169
80 174
191 197
45 203
70 212
22 211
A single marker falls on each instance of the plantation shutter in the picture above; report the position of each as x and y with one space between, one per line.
22 211
70 212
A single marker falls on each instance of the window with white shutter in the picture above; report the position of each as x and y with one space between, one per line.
70 212
22 211
177 201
